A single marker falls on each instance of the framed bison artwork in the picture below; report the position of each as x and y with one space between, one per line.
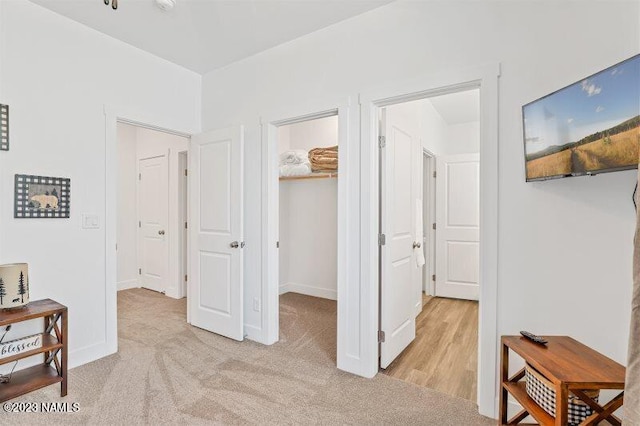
42 197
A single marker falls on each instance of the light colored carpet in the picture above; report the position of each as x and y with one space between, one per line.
167 372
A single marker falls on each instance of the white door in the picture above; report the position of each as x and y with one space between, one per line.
458 226
401 285
153 217
216 218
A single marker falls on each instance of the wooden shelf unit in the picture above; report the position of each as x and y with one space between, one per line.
518 391
317 175
54 350
572 368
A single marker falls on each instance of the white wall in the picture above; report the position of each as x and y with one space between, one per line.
440 137
433 128
319 133
57 75
463 138
127 211
564 246
284 138
308 217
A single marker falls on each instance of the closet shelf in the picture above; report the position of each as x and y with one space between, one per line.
311 176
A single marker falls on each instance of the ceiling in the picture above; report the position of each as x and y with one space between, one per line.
203 35
458 108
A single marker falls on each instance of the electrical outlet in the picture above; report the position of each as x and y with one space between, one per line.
256 304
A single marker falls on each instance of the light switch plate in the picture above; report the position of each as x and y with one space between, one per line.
90 221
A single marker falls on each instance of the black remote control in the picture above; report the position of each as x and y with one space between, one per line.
536 339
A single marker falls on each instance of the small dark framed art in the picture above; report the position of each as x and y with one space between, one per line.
4 127
42 197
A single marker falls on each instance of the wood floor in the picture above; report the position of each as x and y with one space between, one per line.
444 355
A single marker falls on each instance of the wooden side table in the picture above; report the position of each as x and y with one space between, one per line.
54 350
572 367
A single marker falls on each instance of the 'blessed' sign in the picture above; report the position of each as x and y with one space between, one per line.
18 346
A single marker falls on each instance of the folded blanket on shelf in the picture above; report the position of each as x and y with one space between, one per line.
324 159
295 169
295 162
294 156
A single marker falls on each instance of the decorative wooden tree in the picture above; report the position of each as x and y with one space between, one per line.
3 291
22 289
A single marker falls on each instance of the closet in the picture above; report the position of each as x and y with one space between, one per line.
308 207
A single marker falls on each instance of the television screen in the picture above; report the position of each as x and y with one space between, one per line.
589 127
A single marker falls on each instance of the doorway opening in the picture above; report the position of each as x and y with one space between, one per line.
308 235
151 225
323 125
430 241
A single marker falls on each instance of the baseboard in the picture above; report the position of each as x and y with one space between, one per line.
88 354
309 290
284 288
127 284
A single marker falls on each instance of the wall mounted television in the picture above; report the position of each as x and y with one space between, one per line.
587 128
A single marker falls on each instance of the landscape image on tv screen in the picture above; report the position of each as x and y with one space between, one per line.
589 127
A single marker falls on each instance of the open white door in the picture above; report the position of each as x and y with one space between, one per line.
216 218
153 208
401 159
458 226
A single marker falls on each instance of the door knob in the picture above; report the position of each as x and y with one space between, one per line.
416 245
161 232
234 244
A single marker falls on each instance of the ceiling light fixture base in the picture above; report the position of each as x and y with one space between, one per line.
165 5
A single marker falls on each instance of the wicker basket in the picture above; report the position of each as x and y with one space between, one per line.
543 392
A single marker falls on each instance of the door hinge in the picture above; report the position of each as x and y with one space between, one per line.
435 174
139 271
434 226
139 224
186 172
139 176
381 336
277 244
382 141
186 226
382 239
185 278
433 277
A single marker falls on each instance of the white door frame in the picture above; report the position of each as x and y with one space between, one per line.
485 78
429 207
114 115
183 217
348 253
